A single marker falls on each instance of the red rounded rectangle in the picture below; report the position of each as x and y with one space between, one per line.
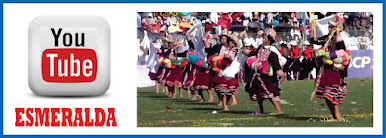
69 65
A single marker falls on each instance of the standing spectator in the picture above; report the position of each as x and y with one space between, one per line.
295 63
247 18
269 20
295 32
208 26
285 52
262 20
307 61
259 38
155 26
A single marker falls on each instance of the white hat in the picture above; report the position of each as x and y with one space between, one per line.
306 43
293 43
249 42
163 28
173 29
283 42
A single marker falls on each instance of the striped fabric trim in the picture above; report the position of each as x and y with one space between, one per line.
223 89
333 93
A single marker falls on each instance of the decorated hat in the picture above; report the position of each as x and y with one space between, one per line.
272 33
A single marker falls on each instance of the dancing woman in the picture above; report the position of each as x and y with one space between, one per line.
265 63
332 60
224 88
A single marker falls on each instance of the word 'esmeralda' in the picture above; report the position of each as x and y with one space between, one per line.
67 117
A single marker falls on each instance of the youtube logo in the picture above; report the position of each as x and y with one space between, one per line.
69 55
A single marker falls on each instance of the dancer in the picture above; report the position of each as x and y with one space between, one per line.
332 60
224 88
201 79
265 62
213 51
177 64
163 71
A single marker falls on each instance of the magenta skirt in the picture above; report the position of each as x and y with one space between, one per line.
174 77
202 80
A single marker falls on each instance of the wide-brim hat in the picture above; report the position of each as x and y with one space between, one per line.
174 29
222 35
306 43
293 43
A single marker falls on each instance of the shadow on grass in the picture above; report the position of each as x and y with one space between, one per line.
301 118
197 103
237 112
153 96
202 109
280 116
146 92
178 100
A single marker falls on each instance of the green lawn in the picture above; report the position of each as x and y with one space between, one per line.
158 110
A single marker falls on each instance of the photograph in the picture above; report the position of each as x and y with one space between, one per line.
255 69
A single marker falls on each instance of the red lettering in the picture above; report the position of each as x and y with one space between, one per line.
88 122
18 116
29 116
111 117
78 117
49 117
40 116
100 122
66 116
53 116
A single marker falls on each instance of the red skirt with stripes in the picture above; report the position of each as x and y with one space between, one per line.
225 87
332 87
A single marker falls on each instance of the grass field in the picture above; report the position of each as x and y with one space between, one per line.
158 110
